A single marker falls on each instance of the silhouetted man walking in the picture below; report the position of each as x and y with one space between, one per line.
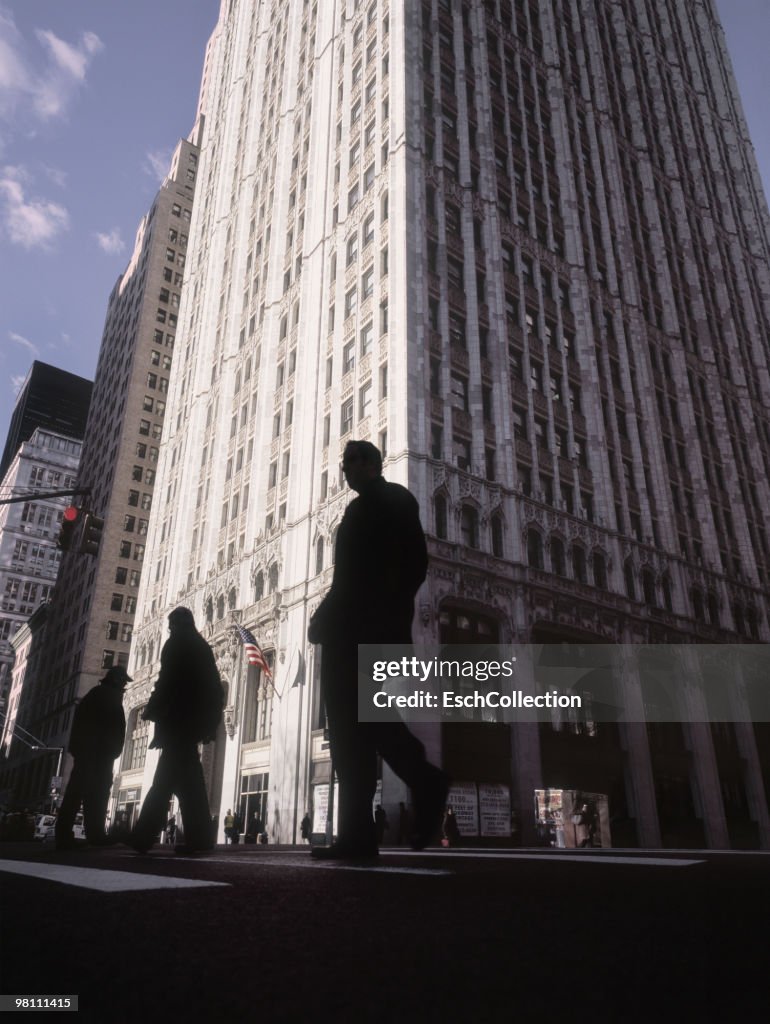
186 706
98 731
380 561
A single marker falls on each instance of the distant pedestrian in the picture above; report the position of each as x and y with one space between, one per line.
305 827
229 822
380 823
451 829
404 824
235 831
186 706
171 830
98 731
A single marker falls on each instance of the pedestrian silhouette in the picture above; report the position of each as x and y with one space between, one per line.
380 823
98 731
380 561
186 706
171 830
228 823
305 827
450 828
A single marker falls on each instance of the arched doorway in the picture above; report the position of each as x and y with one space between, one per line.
582 751
476 752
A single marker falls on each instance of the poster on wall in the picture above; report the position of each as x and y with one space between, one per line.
464 801
494 809
321 806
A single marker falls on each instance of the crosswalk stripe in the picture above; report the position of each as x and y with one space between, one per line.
101 880
289 857
579 858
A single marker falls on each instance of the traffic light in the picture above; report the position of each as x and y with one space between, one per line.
70 521
92 534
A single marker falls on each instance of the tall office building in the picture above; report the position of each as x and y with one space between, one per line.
29 557
52 398
522 247
91 617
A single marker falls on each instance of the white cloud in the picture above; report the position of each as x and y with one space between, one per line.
65 72
157 163
28 222
45 88
72 60
111 242
14 76
16 382
25 343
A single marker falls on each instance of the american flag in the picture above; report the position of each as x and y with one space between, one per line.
253 650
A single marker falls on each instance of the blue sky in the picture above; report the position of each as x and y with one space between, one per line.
93 97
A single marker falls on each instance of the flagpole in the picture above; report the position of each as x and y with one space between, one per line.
299 737
241 710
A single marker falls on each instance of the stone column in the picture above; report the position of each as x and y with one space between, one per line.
633 734
705 772
526 763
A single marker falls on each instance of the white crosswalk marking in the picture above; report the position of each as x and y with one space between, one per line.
578 857
100 880
284 857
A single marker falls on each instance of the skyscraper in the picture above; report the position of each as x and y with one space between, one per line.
523 247
29 558
90 620
52 398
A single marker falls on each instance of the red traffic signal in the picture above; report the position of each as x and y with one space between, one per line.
69 524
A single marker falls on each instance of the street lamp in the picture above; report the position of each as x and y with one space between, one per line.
60 751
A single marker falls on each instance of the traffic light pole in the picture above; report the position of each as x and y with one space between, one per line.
46 494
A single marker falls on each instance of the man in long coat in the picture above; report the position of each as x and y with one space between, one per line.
380 561
184 715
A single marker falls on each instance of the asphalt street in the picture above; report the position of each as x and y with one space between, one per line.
267 934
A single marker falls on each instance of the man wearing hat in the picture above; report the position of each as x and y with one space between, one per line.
98 731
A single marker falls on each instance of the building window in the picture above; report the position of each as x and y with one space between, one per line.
367 335
628 573
351 254
497 536
469 526
367 283
346 417
319 556
579 564
136 748
441 516
558 562
349 357
600 571
365 400
367 232
459 391
534 549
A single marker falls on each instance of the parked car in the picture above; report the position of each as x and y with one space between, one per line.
45 826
